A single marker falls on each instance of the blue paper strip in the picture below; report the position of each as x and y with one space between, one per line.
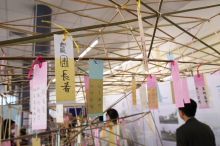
95 69
170 57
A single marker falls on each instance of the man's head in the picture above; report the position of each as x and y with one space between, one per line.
113 115
189 110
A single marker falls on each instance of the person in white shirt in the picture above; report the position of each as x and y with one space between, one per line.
129 141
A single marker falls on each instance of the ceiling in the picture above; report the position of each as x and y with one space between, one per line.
18 16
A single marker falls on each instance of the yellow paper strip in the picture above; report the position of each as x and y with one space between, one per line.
172 91
64 69
150 122
103 132
111 137
134 101
95 96
152 98
36 141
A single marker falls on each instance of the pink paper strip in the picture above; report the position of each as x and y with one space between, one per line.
186 97
201 92
152 92
66 118
39 109
16 130
6 143
151 81
86 80
199 81
118 142
96 137
83 143
177 85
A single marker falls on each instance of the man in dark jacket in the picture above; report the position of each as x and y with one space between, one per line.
193 132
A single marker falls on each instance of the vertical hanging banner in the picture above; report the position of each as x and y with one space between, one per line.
143 45
186 97
177 84
152 92
201 91
86 81
39 102
64 69
95 106
143 96
134 100
59 113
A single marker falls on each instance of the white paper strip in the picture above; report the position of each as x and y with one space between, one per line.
59 113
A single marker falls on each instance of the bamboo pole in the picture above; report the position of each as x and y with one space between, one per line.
107 6
99 58
190 34
155 27
70 30
188 10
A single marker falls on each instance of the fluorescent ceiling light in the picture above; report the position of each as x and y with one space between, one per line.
89 48
124 63
167 78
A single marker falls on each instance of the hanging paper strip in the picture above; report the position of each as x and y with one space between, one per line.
59 113
150 122
159 94
31 105
36 141
170 57
39 102
86 81
103 132
111 137
6 143
201 92
123 128
134 100
152 92
118 133
64 69
96 137
95 106
158 56
186 97
143 45
177 84
172 91
83 143
143 96
206 88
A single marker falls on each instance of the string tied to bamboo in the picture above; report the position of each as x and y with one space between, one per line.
64 34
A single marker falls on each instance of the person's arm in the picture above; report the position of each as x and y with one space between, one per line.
181 138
